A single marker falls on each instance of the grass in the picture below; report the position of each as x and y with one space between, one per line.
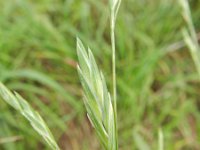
160 140
157 84
17 102
101 109
190 35
98 103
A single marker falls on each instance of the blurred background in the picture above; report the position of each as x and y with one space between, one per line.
158 85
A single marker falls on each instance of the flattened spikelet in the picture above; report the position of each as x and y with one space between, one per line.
96 97
36 121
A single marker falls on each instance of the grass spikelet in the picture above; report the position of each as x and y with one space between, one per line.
101 110
97 98
36 121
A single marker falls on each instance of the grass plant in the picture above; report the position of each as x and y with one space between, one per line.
36 121
101 110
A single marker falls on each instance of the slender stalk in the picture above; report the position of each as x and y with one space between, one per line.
112 26
113 64
114 10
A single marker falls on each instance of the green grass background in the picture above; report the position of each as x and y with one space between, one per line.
158 85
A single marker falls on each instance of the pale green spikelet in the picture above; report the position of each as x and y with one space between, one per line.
97 98
36 121
101 110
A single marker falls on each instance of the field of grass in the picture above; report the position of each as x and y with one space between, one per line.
157 82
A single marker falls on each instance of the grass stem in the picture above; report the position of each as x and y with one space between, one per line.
114 73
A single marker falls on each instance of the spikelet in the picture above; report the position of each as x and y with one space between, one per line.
97 99
36 121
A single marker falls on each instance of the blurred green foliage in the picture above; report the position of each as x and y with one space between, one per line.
158 86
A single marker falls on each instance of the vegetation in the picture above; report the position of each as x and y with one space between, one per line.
101 109
17 102
157 77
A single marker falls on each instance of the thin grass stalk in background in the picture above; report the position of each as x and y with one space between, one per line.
115 4
190 34
10 139
36 121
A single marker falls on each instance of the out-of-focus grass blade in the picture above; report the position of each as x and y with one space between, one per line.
160 139
140 142
42 78
190 35
10 139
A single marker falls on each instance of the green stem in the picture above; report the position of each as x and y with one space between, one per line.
114 74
